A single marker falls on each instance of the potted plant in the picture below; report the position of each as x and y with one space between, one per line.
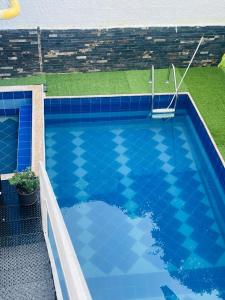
27 186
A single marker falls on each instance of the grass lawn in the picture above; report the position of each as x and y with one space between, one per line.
206 85
103 83
37 79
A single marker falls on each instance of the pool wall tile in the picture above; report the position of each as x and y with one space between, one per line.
9 112
99 104
24 138
108 103
207 143
96 105
10 102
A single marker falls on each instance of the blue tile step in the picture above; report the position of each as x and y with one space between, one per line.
24 151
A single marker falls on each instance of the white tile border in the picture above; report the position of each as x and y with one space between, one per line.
108 95
37 127
17 88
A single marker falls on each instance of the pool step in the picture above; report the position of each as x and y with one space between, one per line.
159 113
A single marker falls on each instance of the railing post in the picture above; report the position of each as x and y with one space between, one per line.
152 81
44 211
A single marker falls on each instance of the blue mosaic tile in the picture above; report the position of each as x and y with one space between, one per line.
8 144
13 101
24 138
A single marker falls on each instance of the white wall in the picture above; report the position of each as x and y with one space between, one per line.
115 13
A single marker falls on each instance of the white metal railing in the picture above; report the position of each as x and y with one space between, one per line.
175 97
77 288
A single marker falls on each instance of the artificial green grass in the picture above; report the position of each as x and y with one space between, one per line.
103 83
87 83
30 80
98 83
206 85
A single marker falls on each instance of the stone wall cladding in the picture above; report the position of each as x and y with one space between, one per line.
129 48
18 53
110 49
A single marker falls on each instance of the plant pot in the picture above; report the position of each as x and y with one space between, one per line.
28 199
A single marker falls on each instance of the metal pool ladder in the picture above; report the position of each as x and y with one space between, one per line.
169 111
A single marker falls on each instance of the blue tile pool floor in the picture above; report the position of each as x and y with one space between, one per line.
138 198
8 143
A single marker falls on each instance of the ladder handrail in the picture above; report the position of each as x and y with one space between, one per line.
152 82
172 67
187 69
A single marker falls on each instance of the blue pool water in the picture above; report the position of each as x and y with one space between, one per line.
139 198
8 143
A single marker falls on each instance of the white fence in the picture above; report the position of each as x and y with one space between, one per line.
76 285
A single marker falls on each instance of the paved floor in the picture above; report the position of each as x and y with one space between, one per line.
115 13
25 271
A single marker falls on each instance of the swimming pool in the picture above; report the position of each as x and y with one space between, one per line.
141 198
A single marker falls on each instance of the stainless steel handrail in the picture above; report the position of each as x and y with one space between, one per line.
152 82
187 69
172 67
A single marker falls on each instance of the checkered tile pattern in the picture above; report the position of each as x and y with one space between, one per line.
8 144
136 205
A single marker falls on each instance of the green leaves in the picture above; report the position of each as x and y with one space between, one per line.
25 182
222 63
